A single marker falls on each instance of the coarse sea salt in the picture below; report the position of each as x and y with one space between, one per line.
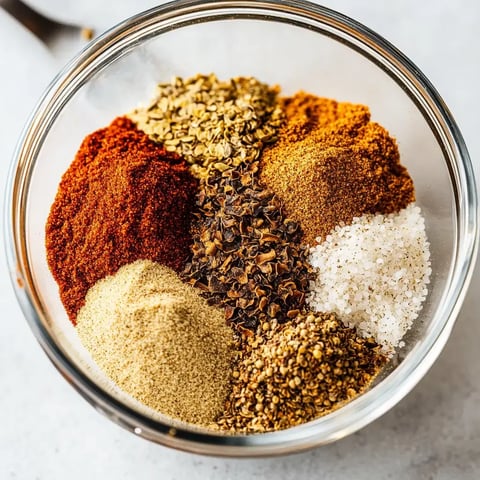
374 274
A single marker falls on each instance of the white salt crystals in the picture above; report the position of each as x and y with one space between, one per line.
374 274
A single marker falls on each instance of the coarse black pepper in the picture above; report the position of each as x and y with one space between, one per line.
246 254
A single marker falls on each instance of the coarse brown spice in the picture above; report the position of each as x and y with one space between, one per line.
332 164
213 124
290 374
246 254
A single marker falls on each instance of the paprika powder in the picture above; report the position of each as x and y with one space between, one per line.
122 199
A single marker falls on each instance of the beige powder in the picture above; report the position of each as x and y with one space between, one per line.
159 341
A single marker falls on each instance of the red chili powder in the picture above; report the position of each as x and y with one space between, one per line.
122 199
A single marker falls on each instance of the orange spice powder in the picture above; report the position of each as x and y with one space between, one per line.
332 164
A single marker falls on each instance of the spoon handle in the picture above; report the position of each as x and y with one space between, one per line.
39 25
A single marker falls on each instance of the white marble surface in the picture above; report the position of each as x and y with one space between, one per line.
48 432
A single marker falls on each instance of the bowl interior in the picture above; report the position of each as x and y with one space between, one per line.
295 55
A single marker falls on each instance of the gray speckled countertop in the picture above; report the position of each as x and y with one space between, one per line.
48 432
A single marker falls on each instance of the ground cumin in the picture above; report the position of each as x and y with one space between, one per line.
332 164
123 198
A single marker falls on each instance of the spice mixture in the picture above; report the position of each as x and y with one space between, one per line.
238 260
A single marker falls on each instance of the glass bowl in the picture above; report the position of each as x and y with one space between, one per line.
297 45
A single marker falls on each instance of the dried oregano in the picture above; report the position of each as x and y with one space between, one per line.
246 255
213 124
289 374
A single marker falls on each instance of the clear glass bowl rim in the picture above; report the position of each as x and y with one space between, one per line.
367 407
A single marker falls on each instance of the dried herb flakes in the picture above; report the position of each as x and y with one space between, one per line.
213 124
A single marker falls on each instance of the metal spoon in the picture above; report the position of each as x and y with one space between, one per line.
40 26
